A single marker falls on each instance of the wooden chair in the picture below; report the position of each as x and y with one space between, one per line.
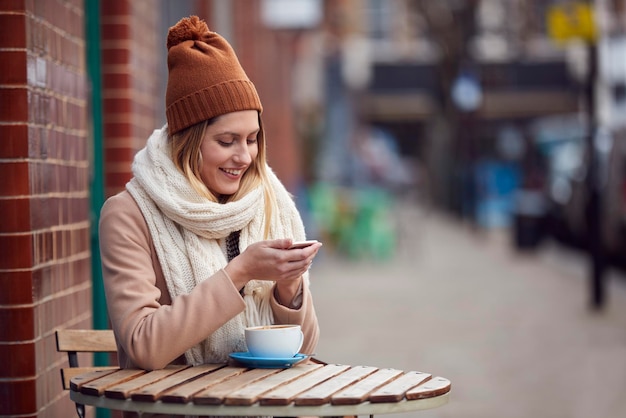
74 341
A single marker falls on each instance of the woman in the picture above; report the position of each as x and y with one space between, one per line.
197 246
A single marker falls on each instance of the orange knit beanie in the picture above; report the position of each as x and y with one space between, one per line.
205 77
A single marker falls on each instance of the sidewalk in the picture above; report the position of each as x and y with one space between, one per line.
512 331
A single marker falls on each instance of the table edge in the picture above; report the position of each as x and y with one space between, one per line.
366 408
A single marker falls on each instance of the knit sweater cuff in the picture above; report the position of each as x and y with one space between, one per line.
296 302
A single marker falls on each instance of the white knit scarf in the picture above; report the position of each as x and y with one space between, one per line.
189 231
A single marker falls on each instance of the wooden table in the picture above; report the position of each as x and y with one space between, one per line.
307 388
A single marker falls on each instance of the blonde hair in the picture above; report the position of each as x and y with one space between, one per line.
185 148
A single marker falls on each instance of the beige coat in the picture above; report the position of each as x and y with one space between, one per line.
150 330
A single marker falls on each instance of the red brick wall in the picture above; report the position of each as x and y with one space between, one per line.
45 259
132 53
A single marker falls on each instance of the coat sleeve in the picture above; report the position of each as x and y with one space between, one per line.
151 330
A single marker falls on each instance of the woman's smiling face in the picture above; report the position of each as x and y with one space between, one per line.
229 148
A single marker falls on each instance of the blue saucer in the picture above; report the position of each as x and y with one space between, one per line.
249 360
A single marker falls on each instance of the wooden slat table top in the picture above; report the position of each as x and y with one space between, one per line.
220 389
125 389
215 395
359 392
98 386
394 391
284 394
321 393
251 393
77 382
184 393
433 387
153 391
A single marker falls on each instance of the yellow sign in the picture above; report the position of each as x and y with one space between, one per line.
573 20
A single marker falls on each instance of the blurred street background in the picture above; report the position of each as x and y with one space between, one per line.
463 162
512 331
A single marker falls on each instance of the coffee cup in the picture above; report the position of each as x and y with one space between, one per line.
274 341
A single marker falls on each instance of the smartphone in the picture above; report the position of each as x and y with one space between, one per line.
302 244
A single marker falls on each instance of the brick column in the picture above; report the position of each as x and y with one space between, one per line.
132 53
45 259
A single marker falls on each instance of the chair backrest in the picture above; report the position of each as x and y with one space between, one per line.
74 341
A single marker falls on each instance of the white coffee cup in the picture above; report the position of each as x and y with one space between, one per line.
274 341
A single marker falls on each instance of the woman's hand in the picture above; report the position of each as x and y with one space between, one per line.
273 260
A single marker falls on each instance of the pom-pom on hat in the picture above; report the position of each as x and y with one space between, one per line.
205 77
